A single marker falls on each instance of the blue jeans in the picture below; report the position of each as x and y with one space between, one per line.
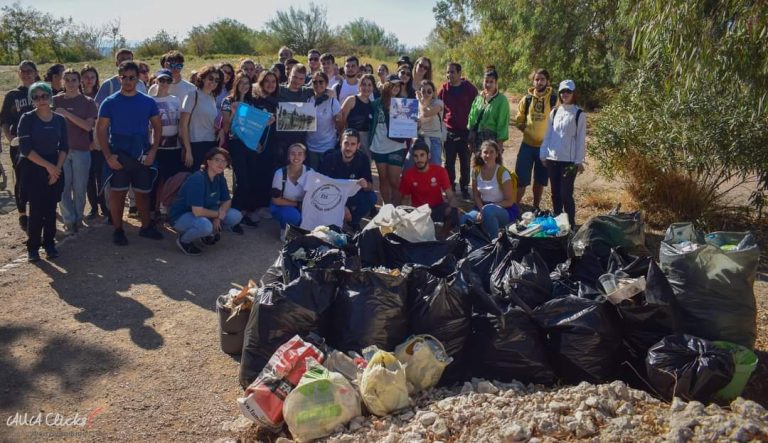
192 228
76 169
494 218
285 215
360 205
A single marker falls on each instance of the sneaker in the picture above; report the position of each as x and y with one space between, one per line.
187 248
33 256
247 221
211 239
51 252
265 213
151 232
119 238
23 221
237 229
133 211
92 215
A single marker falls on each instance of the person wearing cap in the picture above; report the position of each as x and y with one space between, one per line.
532 112
173 61
43 146
489 114
564 148
15 104
404 60
427 184
457 95
80 113
388 153
288 189
170 156
350 163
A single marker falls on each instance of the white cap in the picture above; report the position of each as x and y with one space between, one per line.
567 84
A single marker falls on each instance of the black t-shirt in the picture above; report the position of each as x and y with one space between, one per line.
15 104
333 166
47 139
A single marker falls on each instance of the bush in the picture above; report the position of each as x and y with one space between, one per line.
682 152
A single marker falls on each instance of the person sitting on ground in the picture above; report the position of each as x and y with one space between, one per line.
288 189
494 190
427 184
203 207
351 163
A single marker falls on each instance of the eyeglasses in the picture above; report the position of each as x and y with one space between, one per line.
129 78
176 66
566 91
219 160
424 66
71 79
164 80
213 79
40 97
406 73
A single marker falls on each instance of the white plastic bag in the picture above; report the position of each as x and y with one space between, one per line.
412 224
425 360
383 386
322 401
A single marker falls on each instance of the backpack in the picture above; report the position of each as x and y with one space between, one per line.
285 177
499 174
578 114
529 99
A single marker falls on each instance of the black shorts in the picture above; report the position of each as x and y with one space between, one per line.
133 175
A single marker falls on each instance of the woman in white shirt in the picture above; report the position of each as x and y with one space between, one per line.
494 190
288 189
197 126
431 120
563 150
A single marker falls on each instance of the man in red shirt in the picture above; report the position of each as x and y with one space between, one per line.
428 184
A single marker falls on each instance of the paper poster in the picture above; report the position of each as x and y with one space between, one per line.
403 118
295 116
248 124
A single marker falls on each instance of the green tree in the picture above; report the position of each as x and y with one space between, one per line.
20 25
301 30
160 43
366 34
231 37
199 41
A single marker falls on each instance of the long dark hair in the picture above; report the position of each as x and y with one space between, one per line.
260 83
478 161
234 94
386 94
89 68
228 85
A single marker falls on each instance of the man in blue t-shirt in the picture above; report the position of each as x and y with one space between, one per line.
123 134
351 163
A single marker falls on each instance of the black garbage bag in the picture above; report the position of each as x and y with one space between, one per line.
713 286
650 315
688 367
370 310
509 347
630 265
282 311
554 250
482 262
393 251
273 274
562 284
525 283
439 304
583 338
473 235
591 246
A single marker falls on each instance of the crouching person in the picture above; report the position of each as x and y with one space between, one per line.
203 206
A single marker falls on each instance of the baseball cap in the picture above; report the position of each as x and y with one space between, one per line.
404 60
393 78
163 73
567 84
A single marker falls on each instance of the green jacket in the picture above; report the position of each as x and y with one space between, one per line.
493 116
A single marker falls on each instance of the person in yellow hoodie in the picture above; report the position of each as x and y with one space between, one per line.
532 112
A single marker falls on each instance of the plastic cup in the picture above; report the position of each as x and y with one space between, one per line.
608 281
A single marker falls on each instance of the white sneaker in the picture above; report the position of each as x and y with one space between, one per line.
283 232
264 213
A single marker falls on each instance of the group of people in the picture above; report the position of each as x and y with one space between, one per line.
164 142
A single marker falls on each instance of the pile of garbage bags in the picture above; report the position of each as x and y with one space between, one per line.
585 306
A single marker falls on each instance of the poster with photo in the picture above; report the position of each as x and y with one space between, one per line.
296 116
404 118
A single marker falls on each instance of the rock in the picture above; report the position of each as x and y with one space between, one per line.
694 408
623 423
283 440
620 389
445 404
558 407
236 425
679 435
591 401
467 388
586 428
427 419
391 438
677 405
379 425
486 387
625 409
514 432
748 408
354 426
346 439
407 416
440 428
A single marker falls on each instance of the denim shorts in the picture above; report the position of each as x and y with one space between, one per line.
527 160
393 158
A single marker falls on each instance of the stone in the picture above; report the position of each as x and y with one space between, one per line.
486 387
591 401
440 428
427 419
514 432
354 426
467 388
694 408
677 405
557 407
407 416
748 408
625 409
283 440
624 423
586 428
679 435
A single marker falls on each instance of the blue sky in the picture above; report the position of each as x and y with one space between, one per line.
410 20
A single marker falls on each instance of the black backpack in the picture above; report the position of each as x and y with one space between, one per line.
578 114
529 99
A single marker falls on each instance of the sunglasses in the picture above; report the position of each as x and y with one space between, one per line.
566 91
404 73
40 97
176 65
424 66
129 78
213 79
164 80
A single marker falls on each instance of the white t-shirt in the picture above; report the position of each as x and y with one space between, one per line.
381 144
347 90
432 126
180 89
490 192
293 191
170 111
325 200
203 118
324 137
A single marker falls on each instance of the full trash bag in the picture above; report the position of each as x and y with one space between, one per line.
384 385
274 273
583 337
591 245
300 307
525 283
263 399
391 251
482 262
688 367
322 401
553 249
713 278
425 360
310 252
509 347
473 235
370 310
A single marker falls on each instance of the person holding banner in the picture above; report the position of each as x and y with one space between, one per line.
288 189
243 159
